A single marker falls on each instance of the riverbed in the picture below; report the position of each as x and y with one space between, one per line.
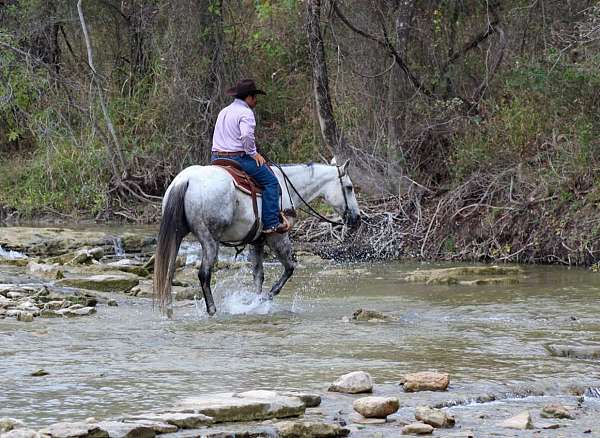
492 340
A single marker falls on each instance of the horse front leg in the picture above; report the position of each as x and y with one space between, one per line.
257 255
282 247
210 251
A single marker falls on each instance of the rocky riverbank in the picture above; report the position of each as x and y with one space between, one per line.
347 409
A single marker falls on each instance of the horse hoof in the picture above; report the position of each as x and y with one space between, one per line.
211 310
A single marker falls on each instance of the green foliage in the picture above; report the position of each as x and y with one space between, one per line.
62 177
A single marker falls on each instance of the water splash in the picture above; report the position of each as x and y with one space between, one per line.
246 303
10 254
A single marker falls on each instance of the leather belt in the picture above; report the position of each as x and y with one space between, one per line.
229 154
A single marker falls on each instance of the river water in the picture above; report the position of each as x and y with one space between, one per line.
490 339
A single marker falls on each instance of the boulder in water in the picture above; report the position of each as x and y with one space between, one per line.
353 383
376 407
434 417
425 381
522 422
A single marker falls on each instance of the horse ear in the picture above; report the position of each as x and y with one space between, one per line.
333 162
345 165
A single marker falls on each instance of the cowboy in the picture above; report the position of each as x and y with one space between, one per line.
233 139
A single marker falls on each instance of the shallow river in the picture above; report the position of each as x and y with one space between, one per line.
128 359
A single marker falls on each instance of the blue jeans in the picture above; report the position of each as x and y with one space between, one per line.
270 193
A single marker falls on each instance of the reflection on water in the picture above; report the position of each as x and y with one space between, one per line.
128 358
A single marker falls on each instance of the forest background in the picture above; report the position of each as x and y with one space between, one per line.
472 126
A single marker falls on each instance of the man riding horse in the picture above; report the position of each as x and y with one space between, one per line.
233 139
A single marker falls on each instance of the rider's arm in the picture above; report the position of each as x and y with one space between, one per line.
247 125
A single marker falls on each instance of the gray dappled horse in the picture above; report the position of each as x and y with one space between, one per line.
204 200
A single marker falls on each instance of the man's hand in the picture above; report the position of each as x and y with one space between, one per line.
259 159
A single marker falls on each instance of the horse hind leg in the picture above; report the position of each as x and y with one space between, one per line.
210 251
282 248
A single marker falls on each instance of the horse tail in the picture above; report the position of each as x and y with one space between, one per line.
173 228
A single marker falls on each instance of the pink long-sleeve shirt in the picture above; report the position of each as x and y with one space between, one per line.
234 130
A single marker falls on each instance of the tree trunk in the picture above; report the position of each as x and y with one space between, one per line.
334 141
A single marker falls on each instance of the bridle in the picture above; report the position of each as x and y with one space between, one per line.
312 212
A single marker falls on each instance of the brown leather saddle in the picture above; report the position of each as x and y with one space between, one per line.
248 185
241 179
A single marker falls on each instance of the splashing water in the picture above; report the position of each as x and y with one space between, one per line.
9 254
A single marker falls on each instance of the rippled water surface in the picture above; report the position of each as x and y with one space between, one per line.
127 358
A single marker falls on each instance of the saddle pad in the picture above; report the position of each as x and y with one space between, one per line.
241 179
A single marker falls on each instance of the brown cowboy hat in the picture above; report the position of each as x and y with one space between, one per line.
245 87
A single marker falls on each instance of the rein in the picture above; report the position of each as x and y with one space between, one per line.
313 212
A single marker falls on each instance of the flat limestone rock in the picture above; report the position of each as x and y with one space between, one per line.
245 406
353 383
180 419
309 429
417 429
105 282
74 430
426 381
376 407
157 426
463 273
522 422
117 429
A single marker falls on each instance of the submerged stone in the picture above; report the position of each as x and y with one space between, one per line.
417 429
8 424
22 433
458 274
117 429
555 411
369 315
574 351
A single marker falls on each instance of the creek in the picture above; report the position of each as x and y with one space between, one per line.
491 339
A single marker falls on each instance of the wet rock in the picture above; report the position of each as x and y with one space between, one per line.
434 417
574 351
112 303
488 281
22 433
425 381
145 290
309 429
369 315
40 373
522 422
47 313
76 310
8 424
461 434
417 429
458 274
353 383
24 316
45 270
245 406
105 283
136 269
179 419
555 411
74 430
376 407
20 262
157 426
309 400
117 429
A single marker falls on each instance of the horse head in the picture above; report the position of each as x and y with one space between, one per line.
339 193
